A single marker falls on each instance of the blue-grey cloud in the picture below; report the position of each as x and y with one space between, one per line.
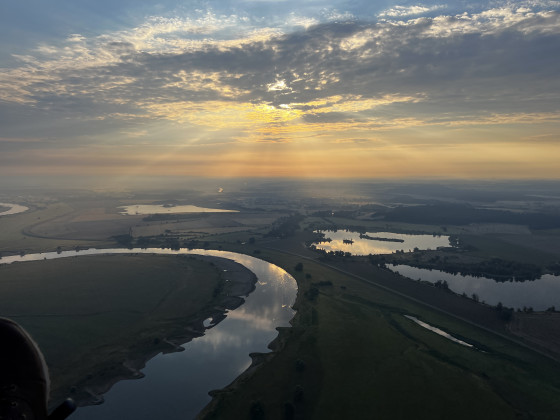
503 60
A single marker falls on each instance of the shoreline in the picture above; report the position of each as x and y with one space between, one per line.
257 360
240 282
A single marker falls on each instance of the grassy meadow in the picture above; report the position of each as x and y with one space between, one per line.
91 314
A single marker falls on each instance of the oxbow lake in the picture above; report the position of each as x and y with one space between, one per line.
168 209
538 294
12 209
176 385
357 243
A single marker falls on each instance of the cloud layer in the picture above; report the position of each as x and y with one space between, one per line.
414 75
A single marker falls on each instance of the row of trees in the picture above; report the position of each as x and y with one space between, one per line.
286 226
495 268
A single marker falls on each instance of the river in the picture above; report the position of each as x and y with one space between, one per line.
176 385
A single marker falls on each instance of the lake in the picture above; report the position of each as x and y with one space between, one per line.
539 294
168 209
12 209
176 385
357 243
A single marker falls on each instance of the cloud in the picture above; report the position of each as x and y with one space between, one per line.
353 141
487 22
226 73
298 21
403 11
544 138
278 85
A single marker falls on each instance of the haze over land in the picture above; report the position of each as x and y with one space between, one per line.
353 334
258 88
289 121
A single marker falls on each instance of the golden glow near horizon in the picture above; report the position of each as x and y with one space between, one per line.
415 91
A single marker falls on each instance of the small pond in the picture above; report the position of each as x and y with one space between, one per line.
357 243
168 209
438 331
538 294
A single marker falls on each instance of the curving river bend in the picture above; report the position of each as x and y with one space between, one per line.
176 385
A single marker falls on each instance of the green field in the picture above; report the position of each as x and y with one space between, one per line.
363 358
91 314
487 246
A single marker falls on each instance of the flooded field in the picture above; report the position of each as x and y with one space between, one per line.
168 209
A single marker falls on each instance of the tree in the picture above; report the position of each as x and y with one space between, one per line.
298 394
124 240
289 411
257 411
506 314
299 266
312 293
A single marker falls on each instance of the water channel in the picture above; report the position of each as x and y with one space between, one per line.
438 331
176 385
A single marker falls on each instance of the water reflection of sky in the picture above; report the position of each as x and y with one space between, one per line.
540 294
176 385
12 209
163 209
363 246
438 331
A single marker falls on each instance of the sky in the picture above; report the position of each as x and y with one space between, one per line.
262 88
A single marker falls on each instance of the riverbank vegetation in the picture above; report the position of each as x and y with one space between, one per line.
98 319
